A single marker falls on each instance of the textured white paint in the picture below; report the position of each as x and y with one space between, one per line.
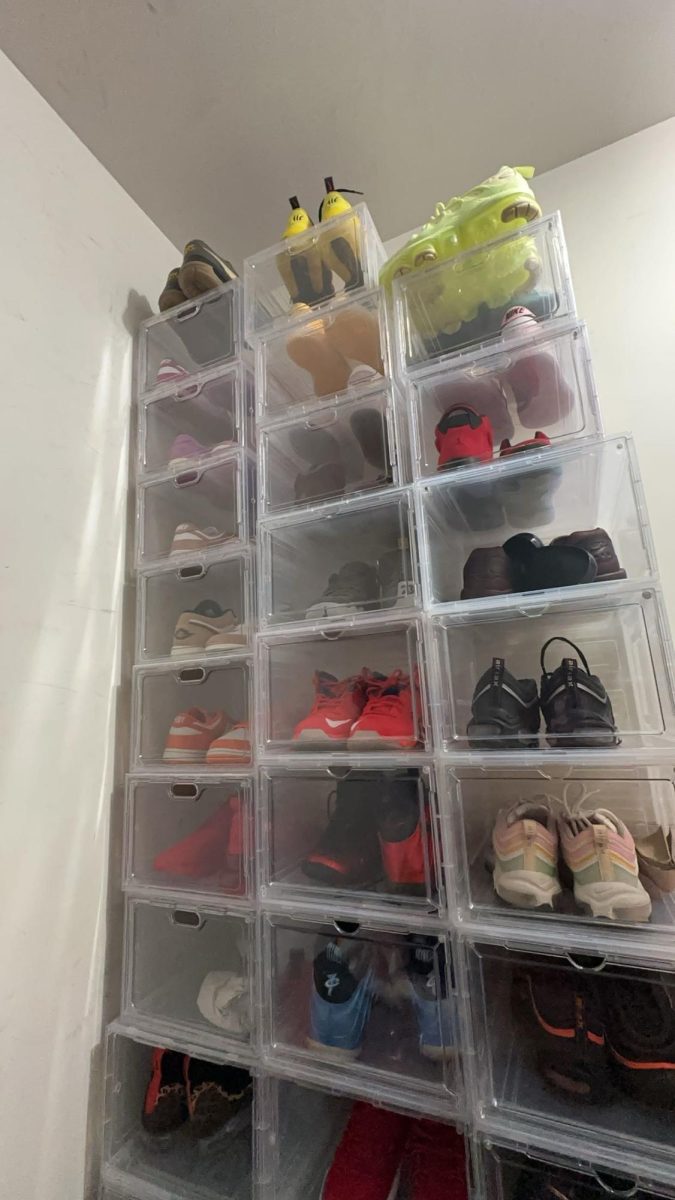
75 246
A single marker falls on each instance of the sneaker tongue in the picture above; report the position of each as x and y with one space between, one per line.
602 817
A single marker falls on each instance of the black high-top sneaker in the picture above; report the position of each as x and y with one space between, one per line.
505 711
575 704
348 852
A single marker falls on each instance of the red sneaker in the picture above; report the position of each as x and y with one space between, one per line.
192 733
337 704
387 719
367 1161
435 1162
165 1101
402 840
535 443
233 879
461 437
202 852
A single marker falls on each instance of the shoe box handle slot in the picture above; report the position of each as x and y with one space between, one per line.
189 313
185 791
587 962
331 635
347 927
322 420
615 1185
192 675
188 392
339 772
198 571
187 918
187 478
533 612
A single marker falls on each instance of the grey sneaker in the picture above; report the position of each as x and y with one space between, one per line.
350 590
396 578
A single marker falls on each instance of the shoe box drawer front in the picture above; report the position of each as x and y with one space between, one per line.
196 512
188 971
178 1125
322 356
192 337
189 835
355 690
563 517
603 681
585 850
506 401
309 268
345 1135
195 419
351 559
191 716
368 1003
201 606
515 1171
577 1046
366 839
338 451
462 301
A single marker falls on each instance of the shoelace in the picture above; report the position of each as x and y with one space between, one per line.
383 697
580 654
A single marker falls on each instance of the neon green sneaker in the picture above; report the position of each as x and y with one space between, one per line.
501 205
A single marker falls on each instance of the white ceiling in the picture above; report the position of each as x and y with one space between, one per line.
212 112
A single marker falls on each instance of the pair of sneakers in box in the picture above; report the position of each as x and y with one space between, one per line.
365 711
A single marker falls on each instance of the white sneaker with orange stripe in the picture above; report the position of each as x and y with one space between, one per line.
192 733
233 746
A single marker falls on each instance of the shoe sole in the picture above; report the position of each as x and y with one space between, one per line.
334 610
614 901
438 1053
184 756
333 1051
317 737
595 741
367 740
490 736
526 889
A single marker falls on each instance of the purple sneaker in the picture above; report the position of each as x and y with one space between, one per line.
184 448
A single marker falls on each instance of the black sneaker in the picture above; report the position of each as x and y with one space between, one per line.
215 1092
576 707
348 852
505 711
354 588
165 1102
641 1038
536 566
203 269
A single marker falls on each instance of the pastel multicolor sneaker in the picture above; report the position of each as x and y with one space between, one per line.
600 852
342 997
525 844
192 733
232 746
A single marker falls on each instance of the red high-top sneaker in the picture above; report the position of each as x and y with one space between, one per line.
387 719
462 436
368 1157
337 704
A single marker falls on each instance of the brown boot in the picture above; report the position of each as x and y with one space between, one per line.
487 572
312 351
599 545
203 269
172 293
355 333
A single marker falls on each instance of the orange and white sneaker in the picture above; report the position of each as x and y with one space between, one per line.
232 746
387 719
192 733
190 539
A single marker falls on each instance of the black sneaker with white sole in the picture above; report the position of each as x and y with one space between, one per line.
575 704
505 711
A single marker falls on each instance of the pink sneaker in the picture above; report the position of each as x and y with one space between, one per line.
525 843
600 852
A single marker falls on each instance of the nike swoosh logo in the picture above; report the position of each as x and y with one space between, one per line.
336 724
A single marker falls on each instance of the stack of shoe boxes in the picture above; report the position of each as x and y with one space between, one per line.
554 724
358 995
187 1009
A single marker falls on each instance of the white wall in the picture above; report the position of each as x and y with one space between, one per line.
617 210
78 256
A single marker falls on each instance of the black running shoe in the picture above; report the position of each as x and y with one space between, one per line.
576 707
215 1092
641 1038
165 1102
505 711
348 853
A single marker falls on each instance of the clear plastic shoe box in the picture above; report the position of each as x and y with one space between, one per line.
188 973
167 593
568 1050
510 1169
460 302
220 689
623 636
530 384
346 560
192 836
195 420
343 254
195 336
465 518
363 840
341 450
288 664
176 1165
641 797
392 1026
321 357
197 512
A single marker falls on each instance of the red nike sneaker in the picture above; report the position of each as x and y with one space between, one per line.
402 840
534 443
387 719
202 852
367 1161
337 704
461 437
435 1162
